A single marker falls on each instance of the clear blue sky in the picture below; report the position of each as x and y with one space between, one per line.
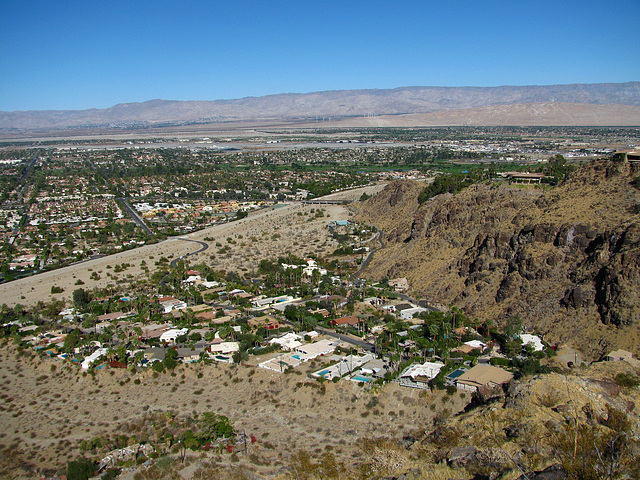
83 54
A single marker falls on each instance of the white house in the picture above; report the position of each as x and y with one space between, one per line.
532 340
225 347
289 341
169 304
409 313
419 375
476 344
172 334
86 363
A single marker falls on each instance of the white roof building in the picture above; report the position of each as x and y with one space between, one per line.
313 350
409 313
172 334
86 363
288 341
532 340
476 344
225 347
427 371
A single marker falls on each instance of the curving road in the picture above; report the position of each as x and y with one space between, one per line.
203 247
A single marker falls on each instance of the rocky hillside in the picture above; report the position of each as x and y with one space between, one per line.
566 260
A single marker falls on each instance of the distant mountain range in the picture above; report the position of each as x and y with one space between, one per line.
342 104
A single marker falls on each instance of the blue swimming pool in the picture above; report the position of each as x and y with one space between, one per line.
360 378
296 356
455 374
322 373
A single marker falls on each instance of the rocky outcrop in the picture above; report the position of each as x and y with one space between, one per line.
566 260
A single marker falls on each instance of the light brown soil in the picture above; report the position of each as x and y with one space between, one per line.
45 413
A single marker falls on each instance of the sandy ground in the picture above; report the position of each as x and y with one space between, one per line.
45 414
269 233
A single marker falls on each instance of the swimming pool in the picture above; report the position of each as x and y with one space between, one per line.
360 378
322 373
455 374
296 356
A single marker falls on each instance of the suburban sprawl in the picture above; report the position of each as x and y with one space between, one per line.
283 299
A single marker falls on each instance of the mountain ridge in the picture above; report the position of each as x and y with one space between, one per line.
332 103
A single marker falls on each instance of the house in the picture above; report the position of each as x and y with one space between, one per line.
322 311
189 355
172 334
399 284
153 354
373 301
419 375
524 177
486 376
224 347
409 313
154 330
259 302
375 368
109 317
463 349
267 321
206 316
86 363
193 279
467 347
349 320
288 341
618 356
315 349
170 303
532 340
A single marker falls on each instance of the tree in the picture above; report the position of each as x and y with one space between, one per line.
214 426
80 298
71 341
80 469
170 357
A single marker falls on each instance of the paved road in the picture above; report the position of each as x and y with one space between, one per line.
366 261
203 247
347 338
358 342
134 216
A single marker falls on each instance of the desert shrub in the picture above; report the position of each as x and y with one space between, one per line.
598 450
627 380
500 362
549 399
381 457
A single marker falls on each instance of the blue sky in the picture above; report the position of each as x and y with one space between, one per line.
89 54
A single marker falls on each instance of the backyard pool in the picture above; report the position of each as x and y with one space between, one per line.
360 378
455 374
